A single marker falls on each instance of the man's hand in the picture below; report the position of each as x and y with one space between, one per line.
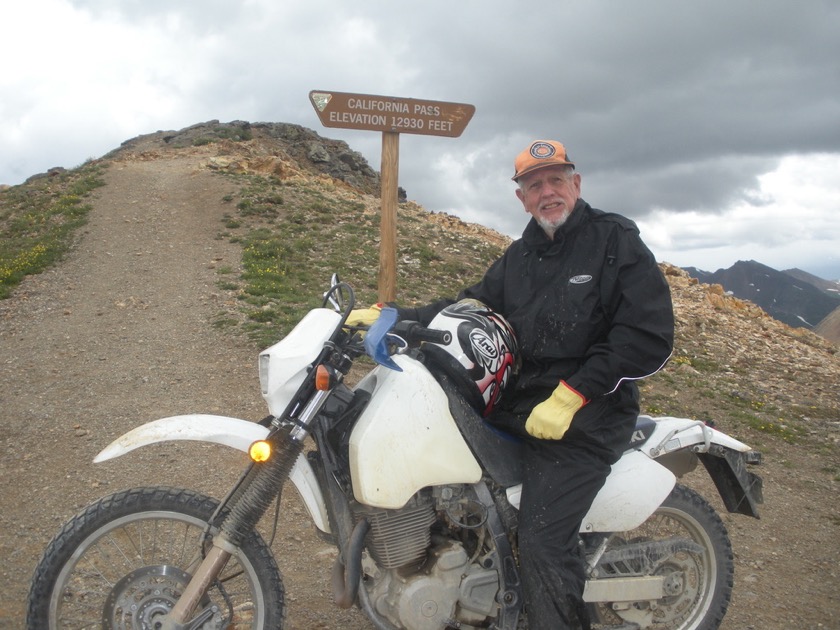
364 316
551 418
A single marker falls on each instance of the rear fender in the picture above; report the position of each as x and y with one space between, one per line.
679 442
233 432
740 489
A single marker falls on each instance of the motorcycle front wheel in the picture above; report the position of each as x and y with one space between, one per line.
698 573
123 562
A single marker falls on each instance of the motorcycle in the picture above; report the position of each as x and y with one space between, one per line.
418 493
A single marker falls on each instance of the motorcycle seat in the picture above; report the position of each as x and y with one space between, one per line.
645 426
499 452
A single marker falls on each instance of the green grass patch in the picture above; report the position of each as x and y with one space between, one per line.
39 220
813 412
701 364
759 416
296 235
235 133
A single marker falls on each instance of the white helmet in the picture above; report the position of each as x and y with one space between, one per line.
482 356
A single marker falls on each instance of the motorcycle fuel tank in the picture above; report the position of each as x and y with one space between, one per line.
406 439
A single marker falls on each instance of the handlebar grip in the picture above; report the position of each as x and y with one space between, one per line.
414 333
441 337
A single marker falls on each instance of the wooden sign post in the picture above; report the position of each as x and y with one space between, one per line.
392 116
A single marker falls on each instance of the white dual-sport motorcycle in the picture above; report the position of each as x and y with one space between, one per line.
417 492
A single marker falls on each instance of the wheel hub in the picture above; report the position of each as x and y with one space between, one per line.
674 583
683 584
141 598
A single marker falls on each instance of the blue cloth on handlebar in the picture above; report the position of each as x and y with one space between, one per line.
376 339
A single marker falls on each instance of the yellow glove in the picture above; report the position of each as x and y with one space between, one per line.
363 316
551 418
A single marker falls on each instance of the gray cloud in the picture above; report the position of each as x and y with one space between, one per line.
677 106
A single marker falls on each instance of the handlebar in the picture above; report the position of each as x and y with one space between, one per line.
414 333
387 335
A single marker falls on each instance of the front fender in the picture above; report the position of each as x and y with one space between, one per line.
233 432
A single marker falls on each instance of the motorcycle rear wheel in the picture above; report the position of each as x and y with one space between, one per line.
699 585
124 560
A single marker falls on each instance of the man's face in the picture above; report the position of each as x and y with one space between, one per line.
549 195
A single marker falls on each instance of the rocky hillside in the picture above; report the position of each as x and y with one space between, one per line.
733 363
278 149
829 328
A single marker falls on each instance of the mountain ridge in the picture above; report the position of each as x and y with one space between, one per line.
832 287
796 298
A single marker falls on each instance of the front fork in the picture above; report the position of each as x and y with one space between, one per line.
248 505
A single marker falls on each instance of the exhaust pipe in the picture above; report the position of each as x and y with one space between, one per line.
345 579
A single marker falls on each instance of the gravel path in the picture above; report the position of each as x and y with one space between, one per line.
119 334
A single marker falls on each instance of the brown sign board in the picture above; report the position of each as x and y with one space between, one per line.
391 114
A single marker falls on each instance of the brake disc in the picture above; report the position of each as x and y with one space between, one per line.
145 595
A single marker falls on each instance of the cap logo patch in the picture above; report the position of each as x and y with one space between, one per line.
542 150
583 279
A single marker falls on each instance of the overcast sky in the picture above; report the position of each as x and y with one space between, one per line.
714 124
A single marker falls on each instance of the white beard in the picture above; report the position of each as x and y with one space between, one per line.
550 227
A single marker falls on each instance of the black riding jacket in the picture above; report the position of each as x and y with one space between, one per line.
590 307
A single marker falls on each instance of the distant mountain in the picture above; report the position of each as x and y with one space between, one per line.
832 287
794 297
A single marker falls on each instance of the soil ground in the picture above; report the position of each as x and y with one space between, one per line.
120 333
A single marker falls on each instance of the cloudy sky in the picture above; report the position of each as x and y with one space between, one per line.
714 124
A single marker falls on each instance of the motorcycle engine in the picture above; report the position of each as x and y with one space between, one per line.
423 581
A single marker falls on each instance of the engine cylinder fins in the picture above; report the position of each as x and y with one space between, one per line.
399 537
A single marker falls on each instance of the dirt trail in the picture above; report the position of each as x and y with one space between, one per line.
120 333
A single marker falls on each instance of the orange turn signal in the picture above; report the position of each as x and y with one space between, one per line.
323 378
259 451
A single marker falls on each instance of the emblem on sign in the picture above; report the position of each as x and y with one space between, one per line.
320 100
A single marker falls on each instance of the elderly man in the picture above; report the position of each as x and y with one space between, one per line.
592 313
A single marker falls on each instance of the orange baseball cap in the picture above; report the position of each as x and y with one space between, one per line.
540 154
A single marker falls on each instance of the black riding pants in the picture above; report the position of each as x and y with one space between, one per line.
559 482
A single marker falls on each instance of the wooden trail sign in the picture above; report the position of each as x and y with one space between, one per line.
392 116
